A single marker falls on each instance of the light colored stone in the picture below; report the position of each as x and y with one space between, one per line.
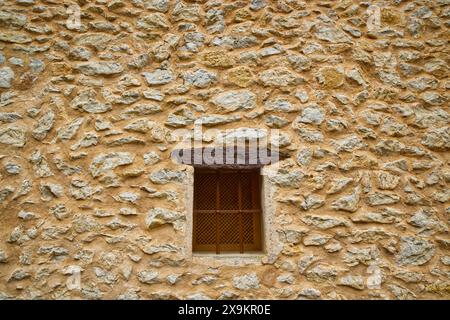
6 77
230 101
311 114
153 22
246 282
437 139
15 37
309 293
428 222
159 216
157 5
165 176
348 144
216 119
304 156
86 100
349 202
379 198
69 130
324 222
158 77
322 273
43 126
3 257
286 179
354 256
108 161
433 98
331 34
13 135
387 181
279 104
316 239
279 77
148 277
200 78
101 68
386 215
355 282
414 251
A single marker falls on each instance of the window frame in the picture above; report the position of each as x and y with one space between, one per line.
256 211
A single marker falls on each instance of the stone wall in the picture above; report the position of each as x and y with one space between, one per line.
87 112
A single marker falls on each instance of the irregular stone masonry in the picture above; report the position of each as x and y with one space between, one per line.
87 112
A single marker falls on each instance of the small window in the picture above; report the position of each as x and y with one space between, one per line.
227 210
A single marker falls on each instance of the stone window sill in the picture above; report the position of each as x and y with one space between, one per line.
229 258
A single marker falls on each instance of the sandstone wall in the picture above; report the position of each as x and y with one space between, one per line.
87 113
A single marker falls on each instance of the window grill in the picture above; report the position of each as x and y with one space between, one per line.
227 210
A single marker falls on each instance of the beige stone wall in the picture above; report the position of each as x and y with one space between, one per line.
87 112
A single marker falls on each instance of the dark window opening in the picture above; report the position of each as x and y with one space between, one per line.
227 210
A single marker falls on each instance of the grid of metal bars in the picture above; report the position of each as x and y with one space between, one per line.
227 210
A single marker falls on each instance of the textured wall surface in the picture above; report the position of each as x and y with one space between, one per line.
87 112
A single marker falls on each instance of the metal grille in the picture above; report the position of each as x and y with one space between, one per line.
227 210
206 228
229 228
228 183
248 234
204 192
246 191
